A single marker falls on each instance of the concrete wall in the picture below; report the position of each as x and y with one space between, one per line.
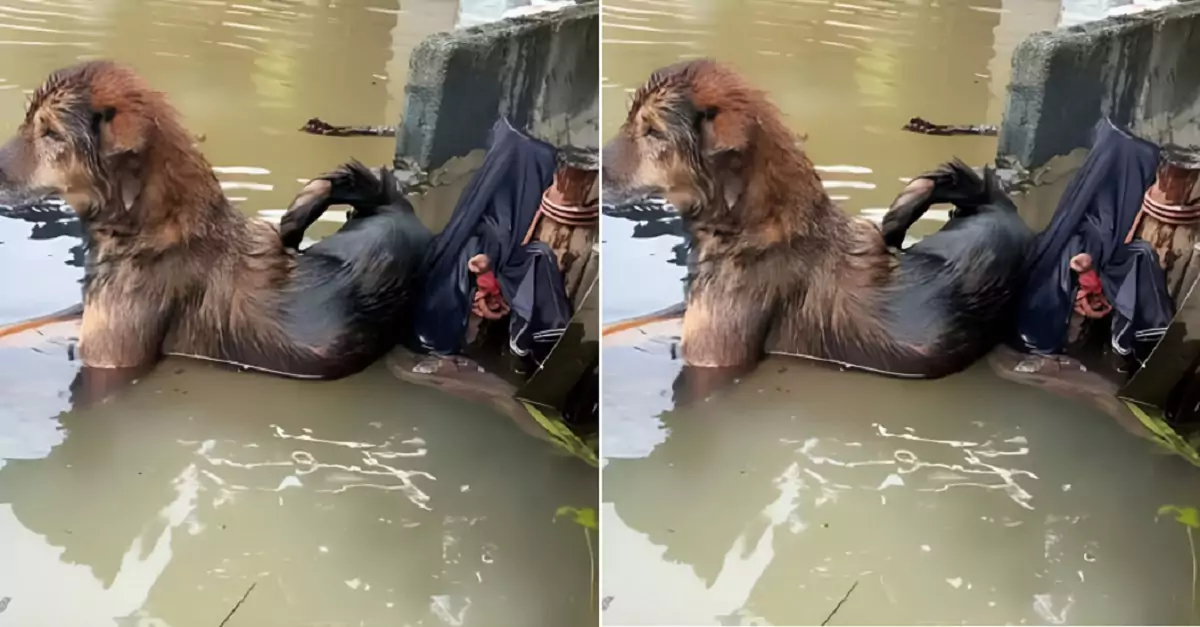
1142 71
542 71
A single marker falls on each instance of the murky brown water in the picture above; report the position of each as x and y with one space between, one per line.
966 500
359 502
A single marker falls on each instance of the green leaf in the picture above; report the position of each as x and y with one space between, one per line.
561 434
1183 515
1164 434
583 516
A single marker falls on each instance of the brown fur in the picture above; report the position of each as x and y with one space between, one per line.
147 194
777 267
173 268
765 205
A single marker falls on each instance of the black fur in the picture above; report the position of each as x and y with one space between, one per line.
956 289
352 290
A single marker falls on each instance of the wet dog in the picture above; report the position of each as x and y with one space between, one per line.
777 268
173 269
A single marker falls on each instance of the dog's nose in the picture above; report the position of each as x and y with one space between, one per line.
609 155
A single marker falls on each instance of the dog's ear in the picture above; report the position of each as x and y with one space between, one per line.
724 138
119 133
122 137
723 132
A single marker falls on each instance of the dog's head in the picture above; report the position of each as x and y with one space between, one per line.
689 132
85 128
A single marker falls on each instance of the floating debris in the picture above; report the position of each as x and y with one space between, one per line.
317 126
925 127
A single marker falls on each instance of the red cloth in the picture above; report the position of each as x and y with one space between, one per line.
1090 282
488 301
1090 301
487 283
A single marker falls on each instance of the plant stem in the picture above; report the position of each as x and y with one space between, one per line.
239 604
839 605
1192 545
592 571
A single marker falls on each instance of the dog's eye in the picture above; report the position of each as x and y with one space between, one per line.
655 133
99 117
51 134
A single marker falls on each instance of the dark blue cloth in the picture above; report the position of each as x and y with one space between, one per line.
492 217
1095 215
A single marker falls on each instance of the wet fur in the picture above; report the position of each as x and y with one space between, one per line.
173 268
778 268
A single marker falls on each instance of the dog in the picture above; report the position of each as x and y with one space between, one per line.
777 268
173 269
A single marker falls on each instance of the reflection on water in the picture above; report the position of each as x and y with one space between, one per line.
365 500
969 499
359 502
963 500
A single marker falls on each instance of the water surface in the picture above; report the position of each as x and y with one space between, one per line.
966 500
364 501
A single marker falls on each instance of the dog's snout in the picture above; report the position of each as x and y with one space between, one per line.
611 160
15 171
613 178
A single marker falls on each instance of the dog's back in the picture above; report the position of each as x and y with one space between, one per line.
954 293
342 302
350 292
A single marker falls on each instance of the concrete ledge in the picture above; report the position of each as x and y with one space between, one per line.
1143 71
541 71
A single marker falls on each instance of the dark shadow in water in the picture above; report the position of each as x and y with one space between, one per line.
1054 531
694 384
655 221
51 222
213 443
95 385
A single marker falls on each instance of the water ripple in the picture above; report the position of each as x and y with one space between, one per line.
975 466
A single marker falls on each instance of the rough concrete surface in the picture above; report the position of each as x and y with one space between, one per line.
541 71
1143 71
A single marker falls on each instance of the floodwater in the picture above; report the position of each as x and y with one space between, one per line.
365 501
966 500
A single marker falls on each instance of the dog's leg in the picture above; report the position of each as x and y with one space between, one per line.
92 385
909 206
696 384
952 182
127 335
306 208
723 339
725 329
351 184
116 346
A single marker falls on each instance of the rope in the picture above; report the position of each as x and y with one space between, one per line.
1171 214
568 215
1174 215
571 215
